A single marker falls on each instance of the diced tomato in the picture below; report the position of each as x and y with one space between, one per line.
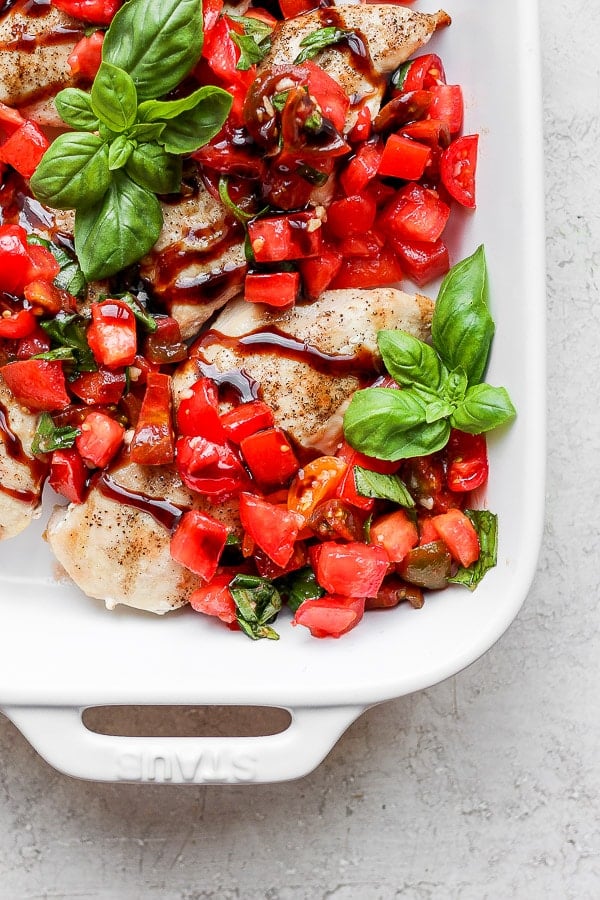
68 475
291 8
416 214
425 478
379 271
396 533
24 149
362 128
222 54
19 324
153 443
246 419
432 132
287 237
210 468
43 265
403 158
266 568
368 244
423 73
100 440
422 261
467 462
37 342
270 457
277 289
331 615
347 487
272 528
353 570
459 535
336 520
10 119
319 271
427 531
362 168
330 96
447 105
86 56
38 384
112 335
211 10
100 12
316 481
392 592
351 215
47 297
165 345
198 412
458 167
100 388
15 261
197 543
214 599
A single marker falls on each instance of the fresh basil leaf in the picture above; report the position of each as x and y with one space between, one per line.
399 76
423 439
114 97
49 437
157 41
299 586
118 230
486 526
377 418
236 211
438 409
409 361
258 602
74 106
74 170
454 386
382 487
153 168
256 28
318 40
146 131
484 407
190 122
119 152
68 332
70 278
462 327
279 100
147 321
251 52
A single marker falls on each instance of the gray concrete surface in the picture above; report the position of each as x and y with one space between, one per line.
483 787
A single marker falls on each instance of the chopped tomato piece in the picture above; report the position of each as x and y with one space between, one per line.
427 531
46 296
336 520
286 237
362 128
10 119
270 457
353 570
278 289
100 388
210 468
86 56
165 345
368 244
38 384
416 214
467 462
153 441
272 528
246 419
458 167
214 599
316 481
68 475
423 73
43 265
100 12
396 533
366 272
100 440
24 149
447 105
291 8
422 261
392 592
37 342
197 543
425 478
403 158
19 324
432 132
15 259
459 535
330 96
266 568
112 335
351 215
330 616
319 271
198 412
362 168
211 10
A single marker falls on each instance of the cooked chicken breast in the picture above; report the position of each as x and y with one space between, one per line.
114 548
307 360
33 53
21 474
387 35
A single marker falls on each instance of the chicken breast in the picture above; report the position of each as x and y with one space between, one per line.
33 53
385 36
115 545
307 361
22 475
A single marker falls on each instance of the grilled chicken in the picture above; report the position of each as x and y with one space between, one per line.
118 552
387 35
328 342
21 474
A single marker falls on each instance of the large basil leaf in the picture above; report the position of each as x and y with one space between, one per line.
409 361
73 169
157 42
462 328
75 108
377 418
192 121
154 169
114 97
484 407
118 230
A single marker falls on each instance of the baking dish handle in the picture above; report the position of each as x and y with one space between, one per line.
61 738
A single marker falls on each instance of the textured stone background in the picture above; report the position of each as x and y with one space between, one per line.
483 787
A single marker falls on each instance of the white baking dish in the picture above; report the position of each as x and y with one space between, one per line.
63 652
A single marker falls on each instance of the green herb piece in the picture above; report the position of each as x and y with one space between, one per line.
279 100
254 43
154 169
399 76
114 97
70 278
299 586
236 211
382 487
189 122
313 176
258 602
75 108
49 437
486 526
67 331
319 40
147 321
75 166
440 384
119 152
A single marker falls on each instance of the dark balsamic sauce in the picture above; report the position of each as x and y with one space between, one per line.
14 450
162 510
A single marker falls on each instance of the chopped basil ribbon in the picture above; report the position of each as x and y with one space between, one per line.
128 143
254 43
257 602
70 278
486 526
67 332
49 437
382 487
319 40
440 384
299 586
